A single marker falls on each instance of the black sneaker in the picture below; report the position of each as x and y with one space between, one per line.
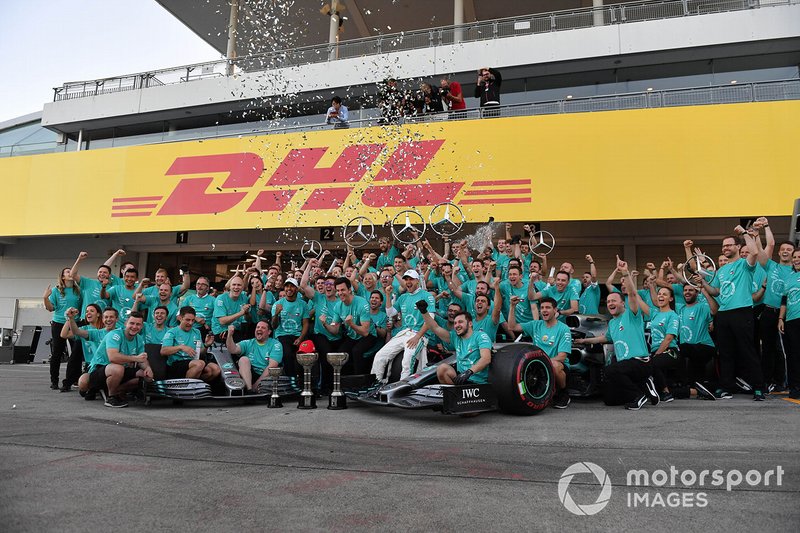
54 385
636 405
721 394
115 401
703 392
65 387
666 397
652 393
758 396
561 400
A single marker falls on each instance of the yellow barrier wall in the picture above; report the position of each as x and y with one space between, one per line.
705 161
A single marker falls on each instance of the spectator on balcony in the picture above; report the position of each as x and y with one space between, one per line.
432 99
452 95
488 89
390 101
337 114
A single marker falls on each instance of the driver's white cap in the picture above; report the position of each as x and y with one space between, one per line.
411 274
291 281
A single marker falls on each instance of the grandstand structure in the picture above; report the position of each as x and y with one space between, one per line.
624 128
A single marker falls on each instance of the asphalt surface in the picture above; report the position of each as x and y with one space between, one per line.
71 465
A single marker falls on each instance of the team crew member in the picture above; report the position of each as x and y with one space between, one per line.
697 348
517 286
123 295
154 331
789 325
734 321
230 309
119 361
664 327
484 320
628 381
563 292
162 277
360 335
66 296
377 314
551 336
473 349
257 354
410 339
203 303
99 324
91 288
182 347
163 299
589 301
290 321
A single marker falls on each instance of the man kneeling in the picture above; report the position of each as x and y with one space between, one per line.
119 361
473 349
258 354
181 345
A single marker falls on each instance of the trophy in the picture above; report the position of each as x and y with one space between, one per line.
699 265
337 399
275 374
307 398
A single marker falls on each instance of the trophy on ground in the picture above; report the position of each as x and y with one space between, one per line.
306 357
275 374
337 399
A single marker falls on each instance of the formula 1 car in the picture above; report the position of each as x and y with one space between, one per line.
521 382
587 361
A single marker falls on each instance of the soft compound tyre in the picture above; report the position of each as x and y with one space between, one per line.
522 378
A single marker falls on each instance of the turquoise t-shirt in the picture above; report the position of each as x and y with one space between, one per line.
694 322
563 299
90 345
122 300
663 323
177 336
153 335
291 317
387 259
791 289
378 318
327 308
551 340
523 310
627 333
406 305
224 305
63 302
485 324
90 291
359 310
152 290
261 354
735 284
116 339
172 311
759 276
203 307
777 274
468 352
589 301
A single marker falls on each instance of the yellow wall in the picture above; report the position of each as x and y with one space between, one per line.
705 161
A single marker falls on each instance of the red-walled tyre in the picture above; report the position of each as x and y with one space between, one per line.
522 377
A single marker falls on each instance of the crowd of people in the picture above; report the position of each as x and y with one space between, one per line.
683 331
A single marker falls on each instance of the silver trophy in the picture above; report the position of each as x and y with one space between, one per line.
337 399
699 265
307 398
275 374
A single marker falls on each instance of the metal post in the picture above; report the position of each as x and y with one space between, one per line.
458 21
597 12
233 23
80 140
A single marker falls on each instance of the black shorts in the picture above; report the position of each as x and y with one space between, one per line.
97 379
178 369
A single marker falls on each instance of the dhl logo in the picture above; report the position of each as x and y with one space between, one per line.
330 186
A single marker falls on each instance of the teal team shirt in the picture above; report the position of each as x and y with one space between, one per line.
90 291
172 310
551 340
90 344
406 305
63 302
485 324
153 335
203 307
387 259
260 354
627 333
359 310
791 290
122 300
523 310
177 336
468 352
735 283
777 275
589 301
224 306
563 299
291 317
663 323
694 322
759 276
327 308
116 339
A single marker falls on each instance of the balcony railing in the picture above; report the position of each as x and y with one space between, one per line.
429 38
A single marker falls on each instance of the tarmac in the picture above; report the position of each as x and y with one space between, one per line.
71 465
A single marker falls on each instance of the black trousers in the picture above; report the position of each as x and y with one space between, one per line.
667 369
58 349
696 359
324 347
290 366
624 381
737 352
792 337
358 364
773 360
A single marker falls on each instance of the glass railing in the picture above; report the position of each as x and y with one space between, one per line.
428 38
731 93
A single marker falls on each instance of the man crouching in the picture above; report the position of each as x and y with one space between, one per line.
182 348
